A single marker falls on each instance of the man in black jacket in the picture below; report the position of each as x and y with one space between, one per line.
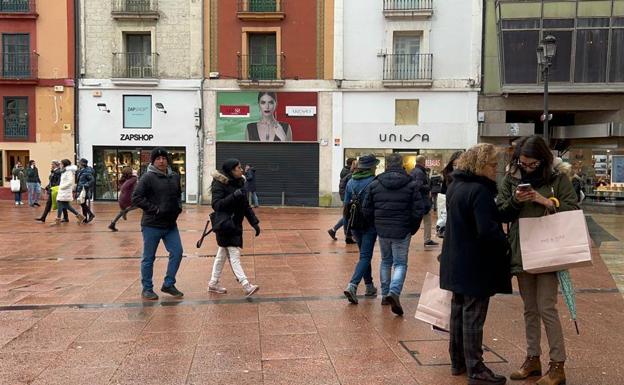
159 194
54 180
345 176
419 174
396 206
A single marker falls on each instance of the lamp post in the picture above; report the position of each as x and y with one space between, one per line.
545 53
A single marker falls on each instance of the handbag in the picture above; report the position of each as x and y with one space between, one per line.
82 197
15 185
555 242
434 306
223 223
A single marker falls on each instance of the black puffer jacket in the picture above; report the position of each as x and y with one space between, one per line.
419 174
55 178
160 196
395 204
225 204
475 259
342 187
85 179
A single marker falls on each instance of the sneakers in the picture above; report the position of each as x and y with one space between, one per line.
90 218
440 231
17 203
215 288
250 289
371 290
332 234
351 293
395 304
80 218
431 243
149 295
112 227
349 241
171 290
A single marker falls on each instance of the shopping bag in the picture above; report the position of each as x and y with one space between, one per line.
53 194
82 197
15 185
555 242
434 306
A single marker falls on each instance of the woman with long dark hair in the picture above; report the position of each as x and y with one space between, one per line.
441 203
268 129
545 190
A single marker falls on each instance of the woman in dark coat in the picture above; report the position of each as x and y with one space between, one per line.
474 263
128 182
230 205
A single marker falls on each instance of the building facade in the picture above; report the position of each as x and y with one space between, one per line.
408 77
141 67
586 83
36 83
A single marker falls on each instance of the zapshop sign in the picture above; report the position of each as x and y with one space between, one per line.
136 137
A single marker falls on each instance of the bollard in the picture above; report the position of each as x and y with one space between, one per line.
283 198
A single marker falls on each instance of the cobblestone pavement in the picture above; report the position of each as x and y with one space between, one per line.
71 312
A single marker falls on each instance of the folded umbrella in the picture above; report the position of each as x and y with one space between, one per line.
569 296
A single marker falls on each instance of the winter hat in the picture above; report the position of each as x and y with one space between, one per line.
229 165
367 161
158 151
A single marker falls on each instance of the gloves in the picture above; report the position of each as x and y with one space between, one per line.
257 228
240 193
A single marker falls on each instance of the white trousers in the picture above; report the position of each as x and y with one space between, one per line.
441 210
233 253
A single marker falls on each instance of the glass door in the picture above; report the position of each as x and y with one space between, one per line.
106 174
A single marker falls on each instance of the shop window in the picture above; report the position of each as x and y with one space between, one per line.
519 56
591 56
137 111
16 118
406 112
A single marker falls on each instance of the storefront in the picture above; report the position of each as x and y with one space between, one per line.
119 128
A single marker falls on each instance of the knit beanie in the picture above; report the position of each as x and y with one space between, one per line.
229 165
158 151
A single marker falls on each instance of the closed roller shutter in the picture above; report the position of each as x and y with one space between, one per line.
291 168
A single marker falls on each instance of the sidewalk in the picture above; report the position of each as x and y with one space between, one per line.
71 312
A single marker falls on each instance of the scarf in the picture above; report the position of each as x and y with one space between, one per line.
363 174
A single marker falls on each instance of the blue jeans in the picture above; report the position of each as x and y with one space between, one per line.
366 243
339 224
62 205
18 197
253 199
393 253
173 244
34 190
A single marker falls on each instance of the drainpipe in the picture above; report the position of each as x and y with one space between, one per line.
200 129
76 78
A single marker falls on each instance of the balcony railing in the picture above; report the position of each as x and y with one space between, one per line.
259 6
17 66
260 67
17 6
132 9
408 8
135 65
16 128
410 68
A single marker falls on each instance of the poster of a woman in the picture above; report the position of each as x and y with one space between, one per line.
268 129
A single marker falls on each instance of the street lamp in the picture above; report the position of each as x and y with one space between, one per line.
545 53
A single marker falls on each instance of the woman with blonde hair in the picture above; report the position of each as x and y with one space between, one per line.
474 263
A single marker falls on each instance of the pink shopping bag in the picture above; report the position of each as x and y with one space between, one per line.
434 306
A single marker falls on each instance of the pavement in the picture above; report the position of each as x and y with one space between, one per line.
71 312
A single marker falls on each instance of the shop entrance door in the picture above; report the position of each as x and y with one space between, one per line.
12 158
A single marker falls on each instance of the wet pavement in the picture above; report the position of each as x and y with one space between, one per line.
71 312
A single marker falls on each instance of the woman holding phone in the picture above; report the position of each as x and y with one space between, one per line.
534 188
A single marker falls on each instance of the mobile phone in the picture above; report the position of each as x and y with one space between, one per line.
524 187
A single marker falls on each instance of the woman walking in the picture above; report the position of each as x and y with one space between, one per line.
33 183
474 263
86 181
549 191
19 173
66 192
229 201
128 183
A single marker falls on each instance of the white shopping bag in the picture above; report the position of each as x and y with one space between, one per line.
434 306
15 185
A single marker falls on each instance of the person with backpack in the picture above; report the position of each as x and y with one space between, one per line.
395 207
361 228
86 183
341 191
128 183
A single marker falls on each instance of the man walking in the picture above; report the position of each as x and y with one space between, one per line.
345 176
86 182
250 185
33 183
419 174
159 194
53 181
395 206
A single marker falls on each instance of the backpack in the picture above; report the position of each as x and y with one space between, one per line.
352 212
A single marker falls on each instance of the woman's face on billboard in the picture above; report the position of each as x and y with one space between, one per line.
267 105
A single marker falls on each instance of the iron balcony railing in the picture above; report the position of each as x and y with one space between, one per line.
260 67
134 6
407 5
135 65
18 6
408 66
260 6
19 65
16 127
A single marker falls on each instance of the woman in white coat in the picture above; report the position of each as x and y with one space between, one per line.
66 192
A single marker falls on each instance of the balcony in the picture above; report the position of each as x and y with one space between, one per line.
19 67
408 8
18 9
260 70
260 10
137 68
135 9
408 70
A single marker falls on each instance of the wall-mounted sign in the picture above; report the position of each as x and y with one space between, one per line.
226 111
617 169
137 111
300 110
138 137
394 138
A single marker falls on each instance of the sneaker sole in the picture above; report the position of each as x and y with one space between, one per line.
217 291
350 297
255 290
149 299
370 294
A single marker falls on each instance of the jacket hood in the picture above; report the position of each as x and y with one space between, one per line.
394 179
155 170
224 179
465 176
72 168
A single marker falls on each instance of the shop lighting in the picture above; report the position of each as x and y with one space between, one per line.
161 108
102 107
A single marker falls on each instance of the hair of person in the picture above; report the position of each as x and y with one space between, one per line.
56 163
229 165
83 161
420 159
476 158
271 94
350 161
535 147
353 165
30 162
126 172
394 160
66 162
449 166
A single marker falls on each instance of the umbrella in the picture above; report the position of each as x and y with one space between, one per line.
567 289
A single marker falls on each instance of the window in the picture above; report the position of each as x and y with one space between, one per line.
591 56
262 5
560 69
406 57
406 112
616 71
137 111
15 55
14 6
139 56
519 56
16 117
262 56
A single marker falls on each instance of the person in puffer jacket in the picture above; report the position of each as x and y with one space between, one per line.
66 192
